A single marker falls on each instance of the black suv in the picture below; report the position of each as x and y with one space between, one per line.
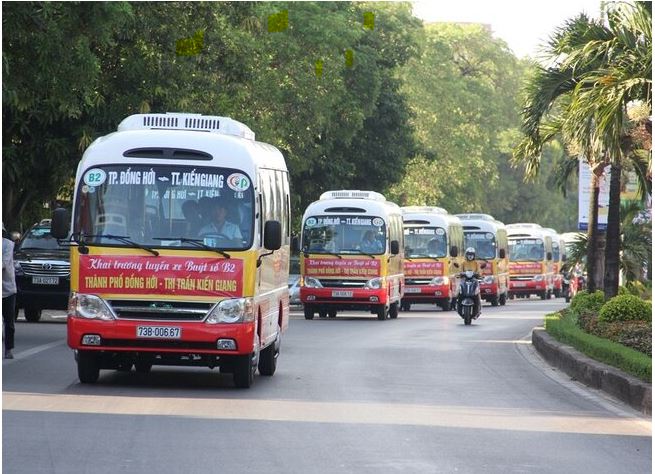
42 272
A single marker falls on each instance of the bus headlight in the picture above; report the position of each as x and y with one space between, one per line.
488 280
374 283
310 282
89 307
438 281
538 277
234 310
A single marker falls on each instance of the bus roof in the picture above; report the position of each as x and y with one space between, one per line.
472 225
429 218
342 204
476 217
423 209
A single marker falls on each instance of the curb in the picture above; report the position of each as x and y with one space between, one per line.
626 388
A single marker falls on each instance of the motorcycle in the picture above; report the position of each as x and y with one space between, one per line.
469 291
566 286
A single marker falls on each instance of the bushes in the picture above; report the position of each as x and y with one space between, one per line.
587 302
563 328
625 308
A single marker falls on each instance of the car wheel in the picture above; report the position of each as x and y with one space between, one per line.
32 314
393 311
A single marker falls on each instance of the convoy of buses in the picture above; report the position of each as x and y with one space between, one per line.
181 240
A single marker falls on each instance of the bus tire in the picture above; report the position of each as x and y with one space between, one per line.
268 360
332 313
494 301
393 311
502 300
405 306
309 312
381 312
543 295
32 314
322 313
88 370
244 371
445 305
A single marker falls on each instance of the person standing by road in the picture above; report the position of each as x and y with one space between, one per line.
8 292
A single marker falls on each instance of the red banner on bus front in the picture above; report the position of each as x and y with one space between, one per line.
146 275
359 267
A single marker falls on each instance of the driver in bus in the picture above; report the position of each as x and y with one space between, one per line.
219 225
370 244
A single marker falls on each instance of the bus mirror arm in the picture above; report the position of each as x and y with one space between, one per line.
259 259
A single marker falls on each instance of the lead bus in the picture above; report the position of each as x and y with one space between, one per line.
180 248
433 245
530 261
488 237
351 255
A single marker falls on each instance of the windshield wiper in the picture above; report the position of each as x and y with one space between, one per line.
120 238
362 253
196 243
423 256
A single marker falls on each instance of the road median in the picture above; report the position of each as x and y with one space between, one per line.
626 388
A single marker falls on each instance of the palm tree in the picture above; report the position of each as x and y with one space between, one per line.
599 68
622 77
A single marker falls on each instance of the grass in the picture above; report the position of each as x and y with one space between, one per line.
562 327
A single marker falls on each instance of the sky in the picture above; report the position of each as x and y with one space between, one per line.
524 25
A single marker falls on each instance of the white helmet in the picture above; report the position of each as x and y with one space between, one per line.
470 253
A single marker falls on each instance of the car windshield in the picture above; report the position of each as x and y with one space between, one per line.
425 242
40 238
526 250
162 205
344 235
484 244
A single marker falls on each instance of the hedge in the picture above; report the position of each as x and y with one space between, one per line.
562 327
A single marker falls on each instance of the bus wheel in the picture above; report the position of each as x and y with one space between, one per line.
309 312
268 359
503 299
381 311
494 301
405 306
332 313
393 311
322 313
244 371
544 295
87 367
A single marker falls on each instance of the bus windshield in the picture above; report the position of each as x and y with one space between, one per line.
484 244
526 249
425 242
344 234
163 206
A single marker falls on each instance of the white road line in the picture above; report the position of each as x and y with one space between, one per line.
33 350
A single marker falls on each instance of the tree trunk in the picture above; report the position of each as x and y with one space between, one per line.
592 234
613 246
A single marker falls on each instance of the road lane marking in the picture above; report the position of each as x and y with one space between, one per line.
595 423
34 350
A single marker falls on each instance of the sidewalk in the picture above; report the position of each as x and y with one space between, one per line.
626 388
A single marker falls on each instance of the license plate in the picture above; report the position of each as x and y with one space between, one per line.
342 294
409 289
520 284
45 280
159 332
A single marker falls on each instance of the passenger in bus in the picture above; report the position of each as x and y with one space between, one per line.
370 244
436 247
219 225
191 212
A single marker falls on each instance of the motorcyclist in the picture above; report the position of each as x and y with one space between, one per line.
471 264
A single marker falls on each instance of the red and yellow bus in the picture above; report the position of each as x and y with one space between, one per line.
180 251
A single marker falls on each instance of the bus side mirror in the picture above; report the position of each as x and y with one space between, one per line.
549 256
272 235
453 251
395 247
60 225
501 253
295 244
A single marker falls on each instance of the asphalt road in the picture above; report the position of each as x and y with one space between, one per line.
420 394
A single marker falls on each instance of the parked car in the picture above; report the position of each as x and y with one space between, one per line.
294 290
294 281
42 272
